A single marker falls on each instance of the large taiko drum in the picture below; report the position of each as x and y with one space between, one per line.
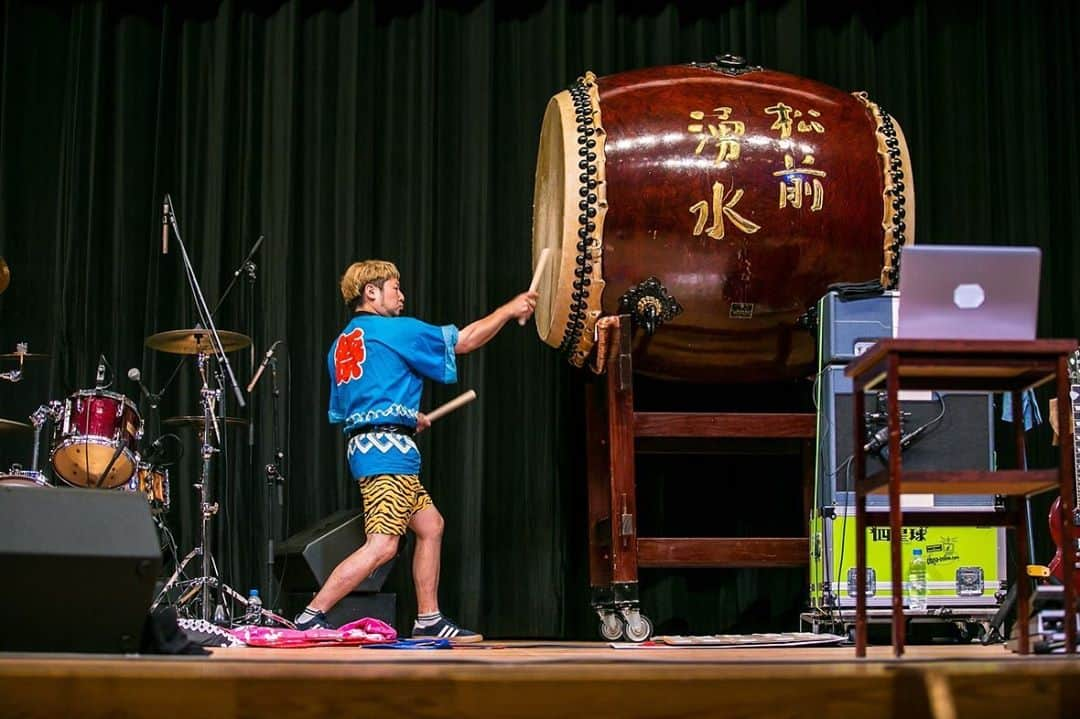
715 204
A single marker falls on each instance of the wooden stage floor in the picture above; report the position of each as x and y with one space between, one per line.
546 679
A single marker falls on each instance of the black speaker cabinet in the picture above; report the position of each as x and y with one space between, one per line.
77 569
305 560
963 439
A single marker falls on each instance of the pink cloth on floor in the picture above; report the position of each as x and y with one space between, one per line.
362 631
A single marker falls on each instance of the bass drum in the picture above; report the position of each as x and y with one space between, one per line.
716 204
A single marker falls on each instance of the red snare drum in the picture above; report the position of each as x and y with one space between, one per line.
94 427
153 483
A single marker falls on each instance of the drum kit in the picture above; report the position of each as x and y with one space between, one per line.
96 443
95 438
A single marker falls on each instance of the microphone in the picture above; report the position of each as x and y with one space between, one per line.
136 376
165 225
877 441
881 438
905 441
100 379
254 249
262 366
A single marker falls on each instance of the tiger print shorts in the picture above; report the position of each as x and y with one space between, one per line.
390 501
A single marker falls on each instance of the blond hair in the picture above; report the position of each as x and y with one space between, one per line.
361 274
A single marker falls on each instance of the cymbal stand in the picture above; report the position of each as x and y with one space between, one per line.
47 411
200 586
15 375
210 400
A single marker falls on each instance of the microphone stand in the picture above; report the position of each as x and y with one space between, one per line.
275 479
248 269
250 475
211 398
204 311
246 266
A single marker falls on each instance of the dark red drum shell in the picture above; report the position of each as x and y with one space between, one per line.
725 234
96 416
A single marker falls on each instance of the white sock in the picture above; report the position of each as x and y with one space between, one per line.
305 616
428 620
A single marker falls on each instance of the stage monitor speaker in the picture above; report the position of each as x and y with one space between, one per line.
304 561
77 567
963 439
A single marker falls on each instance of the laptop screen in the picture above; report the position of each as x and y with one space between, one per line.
969 292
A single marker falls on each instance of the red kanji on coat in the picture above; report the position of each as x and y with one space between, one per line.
349 356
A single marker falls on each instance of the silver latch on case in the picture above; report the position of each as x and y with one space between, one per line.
969 582
871 582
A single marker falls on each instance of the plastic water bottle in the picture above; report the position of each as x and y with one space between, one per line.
254 607
219 615
917 582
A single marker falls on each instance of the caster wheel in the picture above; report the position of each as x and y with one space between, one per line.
640 630
611 627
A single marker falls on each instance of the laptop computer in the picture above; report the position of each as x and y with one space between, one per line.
968 292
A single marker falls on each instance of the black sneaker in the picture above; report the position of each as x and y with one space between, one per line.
316 622
446 629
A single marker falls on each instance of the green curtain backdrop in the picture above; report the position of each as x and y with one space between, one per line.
342 130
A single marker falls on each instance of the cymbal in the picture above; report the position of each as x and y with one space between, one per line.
24 355
193 342
5 275
10 425
196 421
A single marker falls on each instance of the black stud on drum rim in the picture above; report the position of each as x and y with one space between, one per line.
583 112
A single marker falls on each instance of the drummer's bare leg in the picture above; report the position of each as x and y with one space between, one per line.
428 525
358 566
430 623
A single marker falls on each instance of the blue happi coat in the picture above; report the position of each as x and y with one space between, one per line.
377 370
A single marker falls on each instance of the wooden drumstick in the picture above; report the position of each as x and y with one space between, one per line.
540 265
450 406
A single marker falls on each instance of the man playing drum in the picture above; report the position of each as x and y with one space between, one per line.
377 367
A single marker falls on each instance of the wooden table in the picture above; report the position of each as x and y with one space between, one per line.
974 365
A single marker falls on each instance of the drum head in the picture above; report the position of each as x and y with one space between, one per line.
569 198
114 396
81 462
549 199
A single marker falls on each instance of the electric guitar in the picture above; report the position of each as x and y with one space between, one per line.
1056 530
